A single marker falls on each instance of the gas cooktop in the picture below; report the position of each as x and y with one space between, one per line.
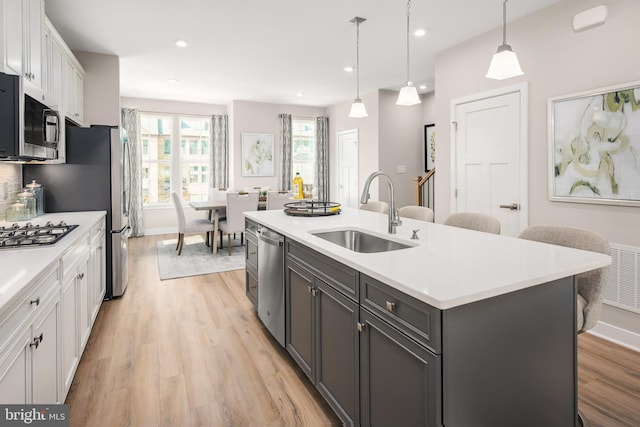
30 235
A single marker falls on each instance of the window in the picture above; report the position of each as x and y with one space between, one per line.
175 157
303 146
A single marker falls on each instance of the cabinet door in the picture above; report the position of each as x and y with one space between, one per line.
338 351
98 278
70 345
400 380
34 25
13 31
83 295
79 96
15 373
45 355
299 328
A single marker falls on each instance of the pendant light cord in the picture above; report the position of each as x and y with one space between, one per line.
504 22
357 59
408 7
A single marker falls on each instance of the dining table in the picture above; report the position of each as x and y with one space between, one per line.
215 207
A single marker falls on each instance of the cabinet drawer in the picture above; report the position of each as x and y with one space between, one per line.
420 321
74 254
28 307
252 288
251 252
339 276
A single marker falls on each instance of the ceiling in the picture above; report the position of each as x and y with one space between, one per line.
269 51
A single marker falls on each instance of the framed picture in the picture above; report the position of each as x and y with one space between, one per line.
594 146
429 146
257 154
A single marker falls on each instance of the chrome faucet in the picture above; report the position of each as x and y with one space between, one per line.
394 219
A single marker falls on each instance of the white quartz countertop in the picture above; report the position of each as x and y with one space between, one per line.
449 266
19 267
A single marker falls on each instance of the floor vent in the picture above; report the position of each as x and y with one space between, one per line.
623 289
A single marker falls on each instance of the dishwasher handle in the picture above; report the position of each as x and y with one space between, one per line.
267 237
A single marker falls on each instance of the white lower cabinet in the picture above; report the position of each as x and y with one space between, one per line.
76 325
46 340
29 360
43 334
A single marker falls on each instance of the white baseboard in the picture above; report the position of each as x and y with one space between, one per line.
617 335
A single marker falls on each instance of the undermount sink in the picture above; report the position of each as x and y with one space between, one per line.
360 241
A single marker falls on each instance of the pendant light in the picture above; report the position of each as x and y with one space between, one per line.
408 94
504 63
357 108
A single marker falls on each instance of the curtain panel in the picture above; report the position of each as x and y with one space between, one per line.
130 122
322 158
285 146
219 158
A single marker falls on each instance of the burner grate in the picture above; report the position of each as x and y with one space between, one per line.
29 235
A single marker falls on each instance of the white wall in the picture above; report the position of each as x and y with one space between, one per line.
401 139
101 88
556 61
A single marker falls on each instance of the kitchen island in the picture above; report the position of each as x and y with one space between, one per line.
462 328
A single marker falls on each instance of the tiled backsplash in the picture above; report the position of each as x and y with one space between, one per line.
10 185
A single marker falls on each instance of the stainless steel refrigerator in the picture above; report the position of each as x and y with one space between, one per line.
95 177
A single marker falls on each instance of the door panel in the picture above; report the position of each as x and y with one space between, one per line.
489 150
348 168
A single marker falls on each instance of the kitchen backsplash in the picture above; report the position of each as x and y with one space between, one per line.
10 185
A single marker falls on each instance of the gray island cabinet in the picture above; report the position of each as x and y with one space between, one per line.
385 351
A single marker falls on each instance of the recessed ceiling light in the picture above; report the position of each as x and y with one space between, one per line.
182 43
420 32
173 80
348 69
299 94
423 87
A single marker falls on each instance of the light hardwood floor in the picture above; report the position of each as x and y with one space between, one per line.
192 352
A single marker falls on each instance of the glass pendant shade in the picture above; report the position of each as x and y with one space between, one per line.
358 109
408 95
504 64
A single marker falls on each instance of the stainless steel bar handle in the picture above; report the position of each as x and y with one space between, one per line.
512 207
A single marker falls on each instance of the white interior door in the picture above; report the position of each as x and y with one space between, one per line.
348 168
490 168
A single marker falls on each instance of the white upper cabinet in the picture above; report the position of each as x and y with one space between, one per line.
32 49
11 36
74 84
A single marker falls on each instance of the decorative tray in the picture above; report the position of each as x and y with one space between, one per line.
311 208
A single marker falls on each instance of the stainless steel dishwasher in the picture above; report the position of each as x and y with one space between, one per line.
271 281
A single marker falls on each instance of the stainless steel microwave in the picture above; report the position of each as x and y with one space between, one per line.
29 130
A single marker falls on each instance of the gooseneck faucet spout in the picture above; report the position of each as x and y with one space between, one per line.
394 219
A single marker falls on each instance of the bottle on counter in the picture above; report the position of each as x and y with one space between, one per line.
38 193
17 212
298 187
29 200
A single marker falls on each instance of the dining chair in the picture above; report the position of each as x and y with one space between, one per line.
474 221
590 285
216 195
277 199
237 204
416 212
380 207
199 225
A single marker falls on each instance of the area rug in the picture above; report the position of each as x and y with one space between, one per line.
197 258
